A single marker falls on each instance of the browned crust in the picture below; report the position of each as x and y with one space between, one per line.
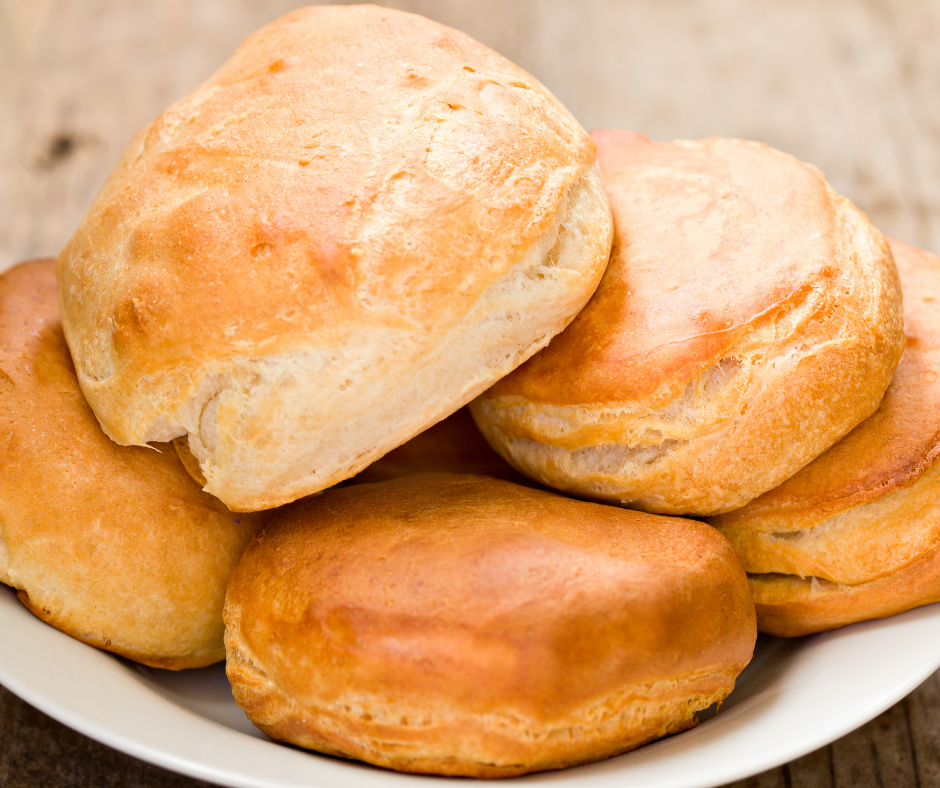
464 625
113 545
67 625
855 534
679 292
891 449
199 224
639 715
748 319
357 201
789 606
870 561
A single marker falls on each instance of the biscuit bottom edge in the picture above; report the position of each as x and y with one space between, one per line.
490 745
791 606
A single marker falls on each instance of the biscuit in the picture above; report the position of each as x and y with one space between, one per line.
749 318
461 625
115 546
358 224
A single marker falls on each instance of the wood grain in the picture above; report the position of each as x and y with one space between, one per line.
37 751
850 85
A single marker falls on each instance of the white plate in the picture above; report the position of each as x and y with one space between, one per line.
796 696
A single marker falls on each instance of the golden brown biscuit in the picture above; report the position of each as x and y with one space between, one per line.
855 534
453 445
462 625
749 318
358 224
115 546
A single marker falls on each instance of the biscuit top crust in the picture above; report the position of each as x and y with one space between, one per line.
348 168
892 448
484 592
709 236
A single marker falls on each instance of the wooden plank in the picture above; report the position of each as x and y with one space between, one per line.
923 721
853 87
885 753
38 752
893 748
776 778
811 771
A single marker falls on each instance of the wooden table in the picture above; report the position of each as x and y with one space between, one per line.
852 86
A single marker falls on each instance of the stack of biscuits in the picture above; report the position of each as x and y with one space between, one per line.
244 383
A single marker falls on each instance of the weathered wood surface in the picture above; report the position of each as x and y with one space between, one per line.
850 85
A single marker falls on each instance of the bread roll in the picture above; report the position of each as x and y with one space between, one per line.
749 318
358 224
461 625
856 533
114 545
